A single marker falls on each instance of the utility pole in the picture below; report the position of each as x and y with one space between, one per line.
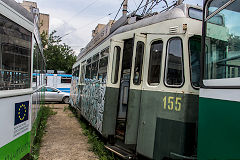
125 4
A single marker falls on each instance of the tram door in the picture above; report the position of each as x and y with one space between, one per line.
124 88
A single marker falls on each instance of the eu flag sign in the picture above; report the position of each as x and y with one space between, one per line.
21 112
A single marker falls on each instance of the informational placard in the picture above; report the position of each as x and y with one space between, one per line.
15 127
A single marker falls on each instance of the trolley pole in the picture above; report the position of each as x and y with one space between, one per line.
125 3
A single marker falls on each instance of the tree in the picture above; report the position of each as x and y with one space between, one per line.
58 55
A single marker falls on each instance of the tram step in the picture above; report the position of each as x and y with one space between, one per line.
120 152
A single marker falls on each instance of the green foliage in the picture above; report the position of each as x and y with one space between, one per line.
58 55
38 129
97 146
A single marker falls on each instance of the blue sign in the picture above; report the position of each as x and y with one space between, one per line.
21 112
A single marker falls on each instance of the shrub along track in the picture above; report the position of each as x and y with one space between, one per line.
64 138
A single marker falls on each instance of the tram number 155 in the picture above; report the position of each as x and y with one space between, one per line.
172 103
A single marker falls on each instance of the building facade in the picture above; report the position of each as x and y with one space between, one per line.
43 19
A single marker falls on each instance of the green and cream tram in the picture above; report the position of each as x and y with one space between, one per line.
139 85
20 47
219 102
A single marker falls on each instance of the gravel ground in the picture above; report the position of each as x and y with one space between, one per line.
64 139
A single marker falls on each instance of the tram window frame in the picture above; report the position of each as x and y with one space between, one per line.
207 78
190 61
150 64
101 79
166 64
14 77
104 52
138 58
115 64
196 18
94 71
83 72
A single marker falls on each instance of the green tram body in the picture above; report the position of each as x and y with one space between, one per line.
219 107
160 119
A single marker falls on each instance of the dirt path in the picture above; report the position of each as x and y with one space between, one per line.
64 139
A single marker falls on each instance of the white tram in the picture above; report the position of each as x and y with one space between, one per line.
20 47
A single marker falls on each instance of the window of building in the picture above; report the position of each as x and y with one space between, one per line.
15 55
138 63
155 62
174 63
115 64
195 51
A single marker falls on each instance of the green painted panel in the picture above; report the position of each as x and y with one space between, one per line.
219 129
110 111
152 107
16 149
133 116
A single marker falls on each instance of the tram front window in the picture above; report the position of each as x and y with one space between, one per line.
222 51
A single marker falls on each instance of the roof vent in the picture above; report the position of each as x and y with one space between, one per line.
174 29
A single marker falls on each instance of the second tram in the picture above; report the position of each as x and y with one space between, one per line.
20 47
219 102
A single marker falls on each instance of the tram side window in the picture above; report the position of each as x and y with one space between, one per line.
155 62
83 71
102 73
138 63
115 64
88 71
94 71
222 53
15 55
174 63
195 51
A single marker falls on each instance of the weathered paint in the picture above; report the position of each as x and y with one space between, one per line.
92 102
133 116
218 129
74 91
152 108
110 111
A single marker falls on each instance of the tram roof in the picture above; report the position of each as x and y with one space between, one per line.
18 8
180 11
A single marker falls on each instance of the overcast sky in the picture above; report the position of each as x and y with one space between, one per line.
80 17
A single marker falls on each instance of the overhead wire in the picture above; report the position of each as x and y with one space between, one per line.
78 13
81 27
118 10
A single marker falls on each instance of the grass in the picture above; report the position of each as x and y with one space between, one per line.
94 139
38 129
